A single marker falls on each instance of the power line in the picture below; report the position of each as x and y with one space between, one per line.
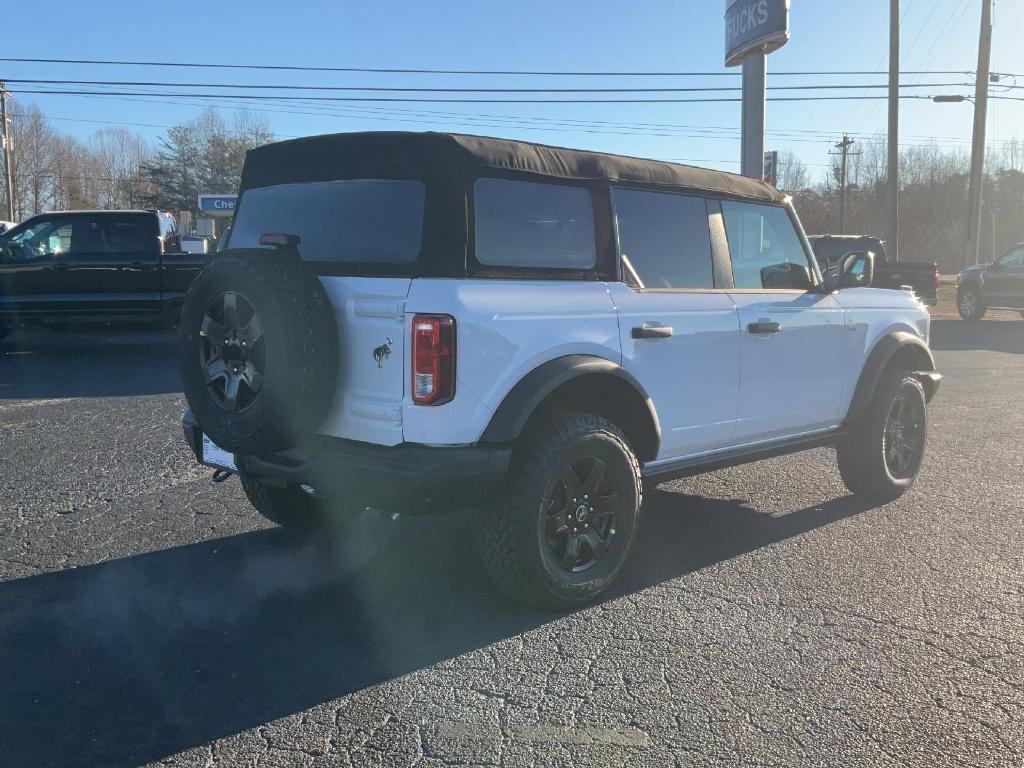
562 125
403 99
529 122
417 71
391 89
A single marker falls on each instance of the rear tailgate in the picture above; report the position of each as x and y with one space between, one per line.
362 237
371 378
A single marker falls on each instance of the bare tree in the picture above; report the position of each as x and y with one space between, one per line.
34 163
792 175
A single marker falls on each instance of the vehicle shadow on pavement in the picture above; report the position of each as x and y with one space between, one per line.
106 362
136 659
994 335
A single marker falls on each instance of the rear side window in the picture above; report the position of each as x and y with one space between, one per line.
363 221
533 225
664 241
765 248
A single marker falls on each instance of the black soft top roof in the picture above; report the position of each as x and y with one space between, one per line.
450 156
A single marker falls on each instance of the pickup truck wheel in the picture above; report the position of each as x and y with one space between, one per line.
291 507
561 534
969 304
880 458
259 350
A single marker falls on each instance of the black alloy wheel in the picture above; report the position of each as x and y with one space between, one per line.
580 511
903 439
969 304
882 451
560 533
232 352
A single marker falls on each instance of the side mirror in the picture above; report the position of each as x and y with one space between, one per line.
13 252
856 270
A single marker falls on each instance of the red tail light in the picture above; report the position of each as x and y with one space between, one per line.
938 279
433 359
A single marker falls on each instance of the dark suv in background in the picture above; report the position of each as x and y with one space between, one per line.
999 285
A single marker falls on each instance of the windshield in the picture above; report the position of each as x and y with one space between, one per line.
364 221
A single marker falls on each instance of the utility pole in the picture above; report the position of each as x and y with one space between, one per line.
893 176
978 141
844 150
7 152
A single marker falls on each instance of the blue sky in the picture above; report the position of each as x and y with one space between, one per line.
681 35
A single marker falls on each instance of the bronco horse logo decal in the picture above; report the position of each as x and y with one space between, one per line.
383 352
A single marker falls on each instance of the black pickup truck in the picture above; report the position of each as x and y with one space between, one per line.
93 266
921 276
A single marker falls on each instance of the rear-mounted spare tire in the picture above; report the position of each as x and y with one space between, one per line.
259 350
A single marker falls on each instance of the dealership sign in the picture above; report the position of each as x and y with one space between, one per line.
754 26
771 168
217 205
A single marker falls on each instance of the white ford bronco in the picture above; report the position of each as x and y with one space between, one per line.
426 322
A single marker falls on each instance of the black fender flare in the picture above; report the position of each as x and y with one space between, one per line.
920 363
525 397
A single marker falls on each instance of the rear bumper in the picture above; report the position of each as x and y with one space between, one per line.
408 478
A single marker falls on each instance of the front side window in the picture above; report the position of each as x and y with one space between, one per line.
765 248
367 221
664 241
51 237
533 225
1014 258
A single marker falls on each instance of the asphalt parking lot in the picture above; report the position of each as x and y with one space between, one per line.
149 616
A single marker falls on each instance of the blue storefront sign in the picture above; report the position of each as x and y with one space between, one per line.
217 205
754 25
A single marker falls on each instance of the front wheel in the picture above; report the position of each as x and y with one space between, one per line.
561 534
880 457
969 304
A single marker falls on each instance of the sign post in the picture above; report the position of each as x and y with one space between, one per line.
753 29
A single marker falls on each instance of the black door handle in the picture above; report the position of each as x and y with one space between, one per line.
652 331
762 327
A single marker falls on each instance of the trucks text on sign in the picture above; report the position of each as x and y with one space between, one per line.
752 25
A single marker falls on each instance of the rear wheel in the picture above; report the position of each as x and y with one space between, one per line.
561 534
969 304
292 507
880 458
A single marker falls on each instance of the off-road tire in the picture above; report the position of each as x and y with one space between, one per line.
291 507
511 536
300 353
974 310
861 453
